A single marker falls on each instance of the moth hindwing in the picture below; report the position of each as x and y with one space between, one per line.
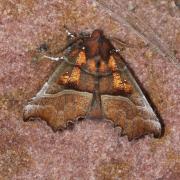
93 81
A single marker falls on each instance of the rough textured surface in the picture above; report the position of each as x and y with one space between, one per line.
92 150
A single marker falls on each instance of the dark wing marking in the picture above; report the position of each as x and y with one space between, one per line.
130 111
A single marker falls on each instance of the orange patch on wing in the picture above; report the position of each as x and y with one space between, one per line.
118 83
81 59
76 72
64 78
127 88
112 64
74 78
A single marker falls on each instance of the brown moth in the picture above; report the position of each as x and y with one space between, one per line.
93 81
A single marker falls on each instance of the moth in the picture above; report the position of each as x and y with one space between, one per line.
94 82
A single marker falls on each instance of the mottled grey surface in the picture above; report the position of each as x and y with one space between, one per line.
92 150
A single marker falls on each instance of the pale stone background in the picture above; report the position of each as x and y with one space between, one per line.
92 150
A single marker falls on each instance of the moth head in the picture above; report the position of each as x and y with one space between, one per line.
97 33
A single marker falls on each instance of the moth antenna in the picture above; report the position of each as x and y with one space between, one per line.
70 34
73 38
52 58
121 42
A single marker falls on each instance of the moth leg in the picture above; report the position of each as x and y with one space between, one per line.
71 39
52 58
118 83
